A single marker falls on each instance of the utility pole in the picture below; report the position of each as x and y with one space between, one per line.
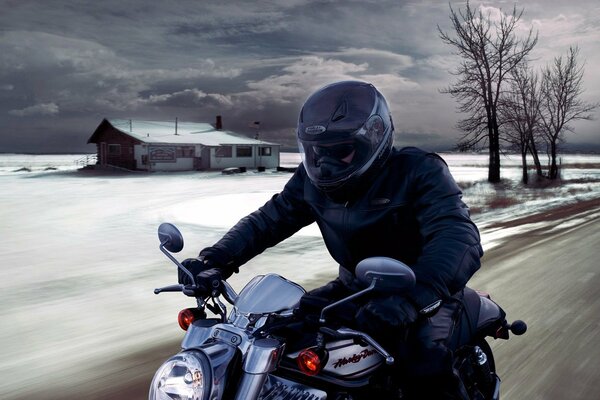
259 147
176 125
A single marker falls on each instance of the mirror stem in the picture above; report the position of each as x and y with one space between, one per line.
349 298
181 267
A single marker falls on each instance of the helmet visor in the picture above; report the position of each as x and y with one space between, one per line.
330 162
339 151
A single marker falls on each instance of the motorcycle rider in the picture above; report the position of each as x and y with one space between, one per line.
369 199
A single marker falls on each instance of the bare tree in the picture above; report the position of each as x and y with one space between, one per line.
489 50
520 110
561 102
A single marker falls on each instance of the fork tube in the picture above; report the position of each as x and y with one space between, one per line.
251 386
262 358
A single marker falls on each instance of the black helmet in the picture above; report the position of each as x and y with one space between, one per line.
344 131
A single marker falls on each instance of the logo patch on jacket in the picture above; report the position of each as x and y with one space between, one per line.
379 201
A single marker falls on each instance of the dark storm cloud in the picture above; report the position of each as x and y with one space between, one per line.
228 26
67 64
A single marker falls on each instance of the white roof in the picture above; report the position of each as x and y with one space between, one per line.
187 133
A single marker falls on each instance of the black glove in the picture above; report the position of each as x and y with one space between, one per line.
314 301
208 258
195 266
385 314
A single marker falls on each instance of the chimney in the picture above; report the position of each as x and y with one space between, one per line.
219 123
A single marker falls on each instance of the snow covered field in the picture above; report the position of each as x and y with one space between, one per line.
79 253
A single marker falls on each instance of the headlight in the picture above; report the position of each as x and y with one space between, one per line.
185 376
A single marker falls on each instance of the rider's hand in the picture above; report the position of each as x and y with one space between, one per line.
312 303
208 258
195 266
385 313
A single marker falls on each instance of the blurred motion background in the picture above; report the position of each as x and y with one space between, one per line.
80 259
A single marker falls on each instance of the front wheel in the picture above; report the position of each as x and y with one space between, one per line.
477 368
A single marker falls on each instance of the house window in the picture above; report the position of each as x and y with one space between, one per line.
185 151
114 149
223 151
243 151
265 151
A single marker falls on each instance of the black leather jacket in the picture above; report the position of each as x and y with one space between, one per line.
412 211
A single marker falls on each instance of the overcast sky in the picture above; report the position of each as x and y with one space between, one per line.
65 65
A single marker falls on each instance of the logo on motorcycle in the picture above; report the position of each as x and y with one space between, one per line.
354 358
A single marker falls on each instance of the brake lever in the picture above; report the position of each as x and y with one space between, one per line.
170 288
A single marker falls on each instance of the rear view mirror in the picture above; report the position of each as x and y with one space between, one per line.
387 275
170 237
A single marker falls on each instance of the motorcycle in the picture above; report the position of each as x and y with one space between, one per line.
258 352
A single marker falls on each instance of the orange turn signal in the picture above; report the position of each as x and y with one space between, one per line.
309 362
185 318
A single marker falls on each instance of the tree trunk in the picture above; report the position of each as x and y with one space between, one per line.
553 167
494 167
525 178
536 157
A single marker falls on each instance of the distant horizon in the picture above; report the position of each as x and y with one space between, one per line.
576 148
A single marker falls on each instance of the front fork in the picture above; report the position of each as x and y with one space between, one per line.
262 358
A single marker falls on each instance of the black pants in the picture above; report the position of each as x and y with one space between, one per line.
425 358
429 356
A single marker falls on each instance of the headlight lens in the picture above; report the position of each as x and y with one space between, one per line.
185 376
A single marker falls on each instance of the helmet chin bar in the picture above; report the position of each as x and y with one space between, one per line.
354 179
330 167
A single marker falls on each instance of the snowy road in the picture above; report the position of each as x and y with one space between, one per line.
549 278
79 261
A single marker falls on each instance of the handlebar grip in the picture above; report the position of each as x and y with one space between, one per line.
335 334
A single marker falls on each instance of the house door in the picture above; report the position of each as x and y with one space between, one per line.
103 150
205 158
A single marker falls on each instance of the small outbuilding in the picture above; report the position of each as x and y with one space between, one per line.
178 146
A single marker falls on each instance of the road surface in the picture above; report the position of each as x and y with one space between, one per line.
548 277
552 281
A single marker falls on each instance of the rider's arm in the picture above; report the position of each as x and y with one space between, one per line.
283 215
452 251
